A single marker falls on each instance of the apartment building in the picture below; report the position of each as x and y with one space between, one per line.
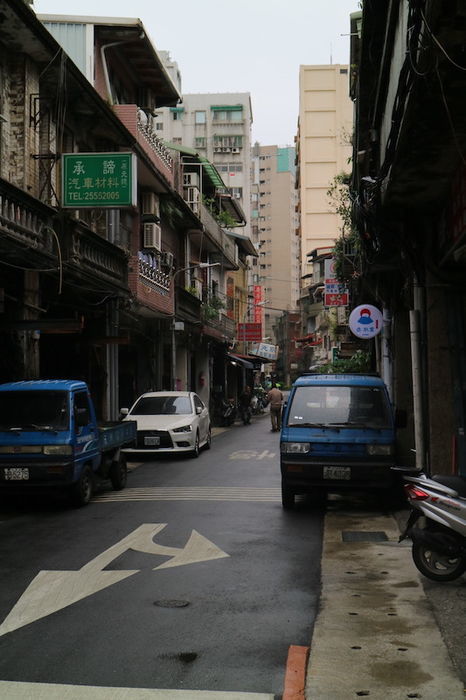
325 128
218 127
277 270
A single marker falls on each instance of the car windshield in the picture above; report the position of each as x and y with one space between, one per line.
34 410
162 406
345 406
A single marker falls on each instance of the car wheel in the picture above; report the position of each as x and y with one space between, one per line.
81 491
119 473
195 452
208 443
287 497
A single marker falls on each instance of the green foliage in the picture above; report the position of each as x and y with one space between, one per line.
223 218
347 248
226 220
216 303
360 362
192 290
211 308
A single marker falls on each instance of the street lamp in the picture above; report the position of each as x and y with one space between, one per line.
202 266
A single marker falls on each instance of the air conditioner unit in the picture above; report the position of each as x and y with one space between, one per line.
226 150
218 149
167 259
150 203
191 179
235 150
152 236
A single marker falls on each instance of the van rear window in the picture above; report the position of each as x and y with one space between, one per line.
348 406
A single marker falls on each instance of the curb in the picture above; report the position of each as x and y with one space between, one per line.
295 674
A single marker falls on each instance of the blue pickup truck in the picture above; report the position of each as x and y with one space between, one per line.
338 432
50 439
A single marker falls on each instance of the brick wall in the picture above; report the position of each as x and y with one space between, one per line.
23 139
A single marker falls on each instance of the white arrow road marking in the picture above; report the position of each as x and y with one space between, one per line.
51 591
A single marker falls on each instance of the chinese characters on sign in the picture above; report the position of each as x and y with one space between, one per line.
258 310
365 321
335 294
264 350
249 331
98 180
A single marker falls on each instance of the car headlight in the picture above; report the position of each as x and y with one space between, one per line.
295 447
57 450
384 450
183 429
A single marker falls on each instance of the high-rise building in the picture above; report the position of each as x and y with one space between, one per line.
325 128
277 270
218 127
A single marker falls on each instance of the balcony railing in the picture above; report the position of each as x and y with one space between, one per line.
224 324
24 220
226 245
138 123
86 251
150 271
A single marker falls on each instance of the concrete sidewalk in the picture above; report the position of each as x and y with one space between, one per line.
376 634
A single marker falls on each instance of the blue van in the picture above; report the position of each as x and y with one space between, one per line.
338 432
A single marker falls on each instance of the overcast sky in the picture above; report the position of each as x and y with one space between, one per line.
253 46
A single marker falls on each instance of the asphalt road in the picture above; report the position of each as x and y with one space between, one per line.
193 577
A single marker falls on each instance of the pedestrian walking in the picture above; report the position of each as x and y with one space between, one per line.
245 405
275 399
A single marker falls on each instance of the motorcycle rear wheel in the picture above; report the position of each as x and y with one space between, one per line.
436 566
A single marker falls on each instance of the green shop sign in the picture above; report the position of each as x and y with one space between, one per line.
98 180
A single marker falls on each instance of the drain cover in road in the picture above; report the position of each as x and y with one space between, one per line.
363 536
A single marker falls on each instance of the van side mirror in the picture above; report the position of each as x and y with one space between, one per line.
401 418
124 411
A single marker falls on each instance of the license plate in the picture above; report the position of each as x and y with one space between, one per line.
151 441
337 473
16 473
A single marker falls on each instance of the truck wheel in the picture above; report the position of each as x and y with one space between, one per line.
119 473
287 497
81 491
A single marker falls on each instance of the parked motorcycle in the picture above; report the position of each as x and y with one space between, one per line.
226 411
436 524
258 401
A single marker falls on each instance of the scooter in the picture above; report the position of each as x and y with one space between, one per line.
436 524
227 411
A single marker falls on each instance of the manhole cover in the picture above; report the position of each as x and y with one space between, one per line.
363 536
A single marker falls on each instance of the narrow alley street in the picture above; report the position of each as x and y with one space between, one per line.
191 578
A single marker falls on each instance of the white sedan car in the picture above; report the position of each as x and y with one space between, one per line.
169 422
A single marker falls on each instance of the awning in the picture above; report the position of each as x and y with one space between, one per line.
212 172
244 242
226 108
208 167
240 361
